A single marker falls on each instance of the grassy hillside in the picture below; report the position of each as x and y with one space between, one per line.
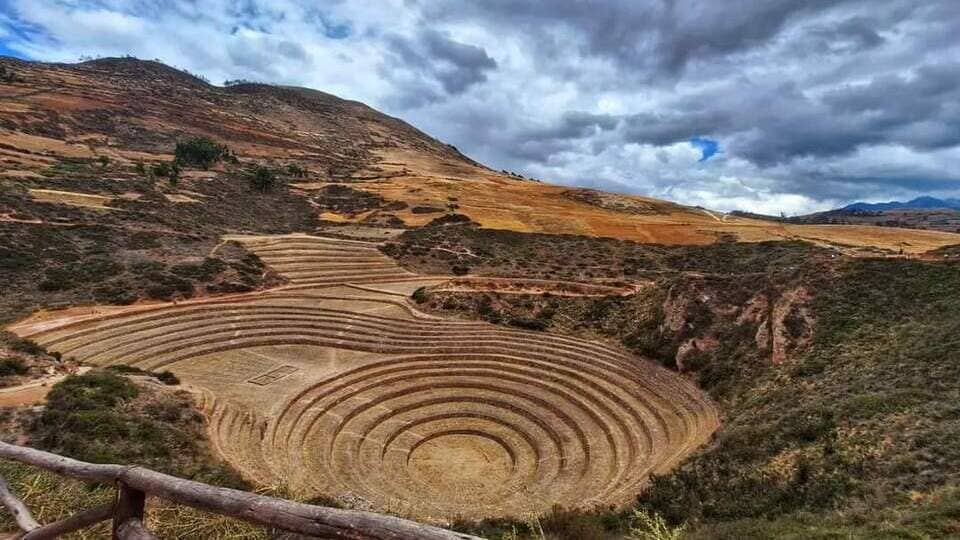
119 416
851 432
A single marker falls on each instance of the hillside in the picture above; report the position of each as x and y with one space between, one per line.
360 315
59 117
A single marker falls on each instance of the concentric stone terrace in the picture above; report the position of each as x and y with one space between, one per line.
348 391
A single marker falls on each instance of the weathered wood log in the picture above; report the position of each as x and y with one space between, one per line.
21 514
78 521
133 529
262 510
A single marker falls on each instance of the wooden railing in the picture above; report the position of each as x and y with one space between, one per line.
134 484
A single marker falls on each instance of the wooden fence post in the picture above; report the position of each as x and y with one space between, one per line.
129 507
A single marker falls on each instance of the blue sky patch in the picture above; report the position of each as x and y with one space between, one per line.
707 147
7 51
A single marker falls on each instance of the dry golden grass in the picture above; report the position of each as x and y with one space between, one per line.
72 198
501 202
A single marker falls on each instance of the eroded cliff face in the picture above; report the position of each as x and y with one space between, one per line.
700 316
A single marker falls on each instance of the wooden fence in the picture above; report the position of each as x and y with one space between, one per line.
134 484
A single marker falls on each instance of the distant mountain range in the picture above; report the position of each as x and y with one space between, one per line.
920 203
925 213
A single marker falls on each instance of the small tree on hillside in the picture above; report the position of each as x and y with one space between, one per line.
170 171
200 152
262 178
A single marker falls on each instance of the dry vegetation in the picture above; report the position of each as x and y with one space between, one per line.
836 376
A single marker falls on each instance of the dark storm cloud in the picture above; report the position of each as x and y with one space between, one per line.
436 58
574 125
661 129
456 65
771 124
849 35
659 34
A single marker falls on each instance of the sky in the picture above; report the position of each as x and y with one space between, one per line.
771 106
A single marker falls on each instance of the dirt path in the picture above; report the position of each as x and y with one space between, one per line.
33 392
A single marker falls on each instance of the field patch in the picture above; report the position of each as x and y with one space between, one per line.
72 198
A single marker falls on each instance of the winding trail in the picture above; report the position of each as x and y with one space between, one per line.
337 385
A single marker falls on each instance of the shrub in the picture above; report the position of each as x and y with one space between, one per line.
565 524
648 526
12 366
199 152
460 270
174 176
450 219
420 295
166 286
8 76
426 210
529 324
98 417
262 178
296 171
206 270
170 171
114 293
26 346
168 378
57 279
161 169
143 240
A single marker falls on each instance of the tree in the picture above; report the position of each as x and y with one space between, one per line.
170 171
263 178
200 152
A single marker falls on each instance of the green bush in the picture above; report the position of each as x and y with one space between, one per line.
170 171
206 270
529 324
26 346
8 75
296 171
199 152
262 178
161 170
166 286
420 295
57 279
99 417
168 378
12 366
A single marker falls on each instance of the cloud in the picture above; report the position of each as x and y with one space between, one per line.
816 102
431 66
